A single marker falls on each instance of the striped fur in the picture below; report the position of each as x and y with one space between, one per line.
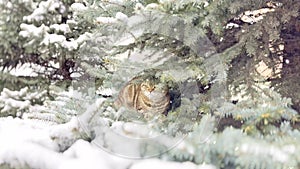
144 96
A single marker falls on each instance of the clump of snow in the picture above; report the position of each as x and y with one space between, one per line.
15 102
105 91
72 22
53 38
255 15
9 5
61 40
84 37
61 28
12 100
78 7
43 8
26 69
31 30
231 25
121 16
6 93
153 6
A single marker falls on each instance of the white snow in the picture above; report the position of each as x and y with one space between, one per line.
78 7
231 25
9 5
106 20
31 30
272 151
33 143
105 91
121 16
134 130
84 37
53 38
26 142
26 69
61 28
255 15
43 8
63 42
13 99
153 6
11 103
72 22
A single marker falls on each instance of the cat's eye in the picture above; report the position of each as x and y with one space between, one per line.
151 88
146 86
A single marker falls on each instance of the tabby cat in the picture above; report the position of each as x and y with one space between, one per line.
147 96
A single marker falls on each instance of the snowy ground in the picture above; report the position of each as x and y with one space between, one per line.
26 142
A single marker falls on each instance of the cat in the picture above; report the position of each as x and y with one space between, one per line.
145 95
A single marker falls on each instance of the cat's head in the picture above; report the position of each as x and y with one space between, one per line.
151 88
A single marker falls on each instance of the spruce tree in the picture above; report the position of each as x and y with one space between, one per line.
231 67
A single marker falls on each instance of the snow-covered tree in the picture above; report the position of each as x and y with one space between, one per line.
231 67
41 36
